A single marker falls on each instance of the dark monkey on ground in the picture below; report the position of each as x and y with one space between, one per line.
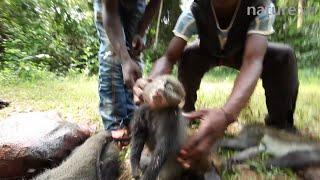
158 124
96 159
289 150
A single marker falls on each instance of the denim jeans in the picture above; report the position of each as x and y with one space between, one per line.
116 100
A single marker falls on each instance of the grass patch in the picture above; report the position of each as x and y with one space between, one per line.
217 85
76 97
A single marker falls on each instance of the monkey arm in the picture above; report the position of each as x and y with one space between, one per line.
162 151
167 143
139 136
244 155
137 144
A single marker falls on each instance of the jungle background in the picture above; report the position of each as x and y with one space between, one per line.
48 61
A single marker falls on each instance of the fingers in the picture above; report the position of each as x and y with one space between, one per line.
137 98
195 140
194 115
189 157
138 90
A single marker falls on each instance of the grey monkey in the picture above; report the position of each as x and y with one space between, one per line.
158 124
289 150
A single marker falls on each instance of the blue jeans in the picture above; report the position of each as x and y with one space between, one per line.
116 100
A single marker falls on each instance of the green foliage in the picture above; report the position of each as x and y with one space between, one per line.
169 16
54 35
59 36
306 40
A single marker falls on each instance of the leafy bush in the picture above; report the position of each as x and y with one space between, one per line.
61 30
59 36
306 40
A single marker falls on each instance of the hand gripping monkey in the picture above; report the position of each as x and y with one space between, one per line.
158 124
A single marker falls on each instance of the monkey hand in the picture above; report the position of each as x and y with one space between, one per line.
136 173
138 90
214 123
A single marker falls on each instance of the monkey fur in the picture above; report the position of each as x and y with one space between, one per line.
158 124
162 130
289 150
96 159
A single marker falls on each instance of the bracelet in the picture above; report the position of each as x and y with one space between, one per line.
228 116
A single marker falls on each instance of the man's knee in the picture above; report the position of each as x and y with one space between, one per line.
289 55
281 54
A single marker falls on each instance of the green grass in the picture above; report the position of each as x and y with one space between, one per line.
76 98
215 89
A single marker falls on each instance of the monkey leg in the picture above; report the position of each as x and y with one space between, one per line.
144 161
296 160
139 136
238 143
243 156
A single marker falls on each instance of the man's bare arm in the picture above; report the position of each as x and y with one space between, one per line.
251 69
151 9
114 29
173 54
162 66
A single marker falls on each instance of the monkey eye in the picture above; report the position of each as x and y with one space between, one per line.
168 86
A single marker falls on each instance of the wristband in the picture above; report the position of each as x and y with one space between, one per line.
228 116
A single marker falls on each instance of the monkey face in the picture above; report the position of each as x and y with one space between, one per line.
164 91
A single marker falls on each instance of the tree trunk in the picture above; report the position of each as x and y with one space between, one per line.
300 13
158 26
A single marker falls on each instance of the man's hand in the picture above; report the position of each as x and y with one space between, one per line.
212 127
138 90
131 72
138 43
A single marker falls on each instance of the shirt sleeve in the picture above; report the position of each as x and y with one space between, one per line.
263 23
186 26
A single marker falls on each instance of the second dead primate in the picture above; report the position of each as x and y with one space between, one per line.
289 150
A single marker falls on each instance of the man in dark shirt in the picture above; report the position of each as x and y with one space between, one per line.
229 36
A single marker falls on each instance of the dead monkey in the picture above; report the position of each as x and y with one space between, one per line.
95 159
289 150
158 124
